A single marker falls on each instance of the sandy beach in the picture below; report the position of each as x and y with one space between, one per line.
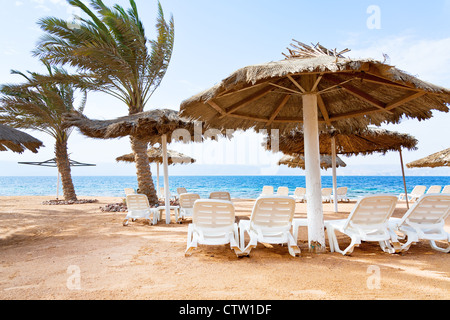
79 252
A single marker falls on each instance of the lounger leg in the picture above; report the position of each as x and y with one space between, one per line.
394 241
330 238
191 241
234 244
355 243
252 243
435 247
294 250
386 247
412 238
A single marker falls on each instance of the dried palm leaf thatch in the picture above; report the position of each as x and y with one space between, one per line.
147 126
298 161
438 159
364 142
155 155
352 94
17 141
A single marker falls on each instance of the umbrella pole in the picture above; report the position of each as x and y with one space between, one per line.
166 178
158 191
333 160
316 231
404 181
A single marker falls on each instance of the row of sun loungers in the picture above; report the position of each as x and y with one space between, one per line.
300 193
418 191
272 222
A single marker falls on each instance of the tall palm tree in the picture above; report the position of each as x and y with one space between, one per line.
112 54
40 106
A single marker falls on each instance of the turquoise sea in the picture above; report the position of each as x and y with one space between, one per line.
238 186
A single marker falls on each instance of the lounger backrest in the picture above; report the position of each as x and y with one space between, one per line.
273 212
300 191
326 191
129 191
419 190
283 191
446 189
187 199
136 202
213 214
220 195
341 191
434 189
181 190
267 190
372 211
429 209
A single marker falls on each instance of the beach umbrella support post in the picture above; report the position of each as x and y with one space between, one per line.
166 177
316 234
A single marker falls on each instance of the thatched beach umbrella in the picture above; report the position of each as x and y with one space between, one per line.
17 141
315 87
155 126
369 141
155 155
438 159
298 161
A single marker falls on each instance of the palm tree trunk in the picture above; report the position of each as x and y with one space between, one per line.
62 161
144 175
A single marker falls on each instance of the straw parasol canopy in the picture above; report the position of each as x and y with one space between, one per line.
148 126
364 142
438 159
298 161
351 93
17 141
155 155
156 126
315 88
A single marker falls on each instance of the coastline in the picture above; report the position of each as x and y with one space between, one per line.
42 246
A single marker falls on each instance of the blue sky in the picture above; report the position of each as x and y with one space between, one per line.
214 38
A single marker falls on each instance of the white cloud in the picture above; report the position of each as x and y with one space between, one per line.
428 59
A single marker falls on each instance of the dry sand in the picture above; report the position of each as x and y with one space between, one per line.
46 249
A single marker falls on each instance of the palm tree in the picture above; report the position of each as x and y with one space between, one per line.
109 50
40 106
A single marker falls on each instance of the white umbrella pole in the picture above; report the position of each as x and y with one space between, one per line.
333 161
316 232
166 178
158 191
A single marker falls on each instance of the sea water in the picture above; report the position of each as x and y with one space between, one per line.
237 186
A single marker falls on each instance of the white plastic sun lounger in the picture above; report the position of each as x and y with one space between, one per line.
434 189
267 190
271 223
187 201
213 223
446 189
181 190
368 221
326 194
415 193
341 194
300 194
424 221
220 195
129 191
138 207
283 191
